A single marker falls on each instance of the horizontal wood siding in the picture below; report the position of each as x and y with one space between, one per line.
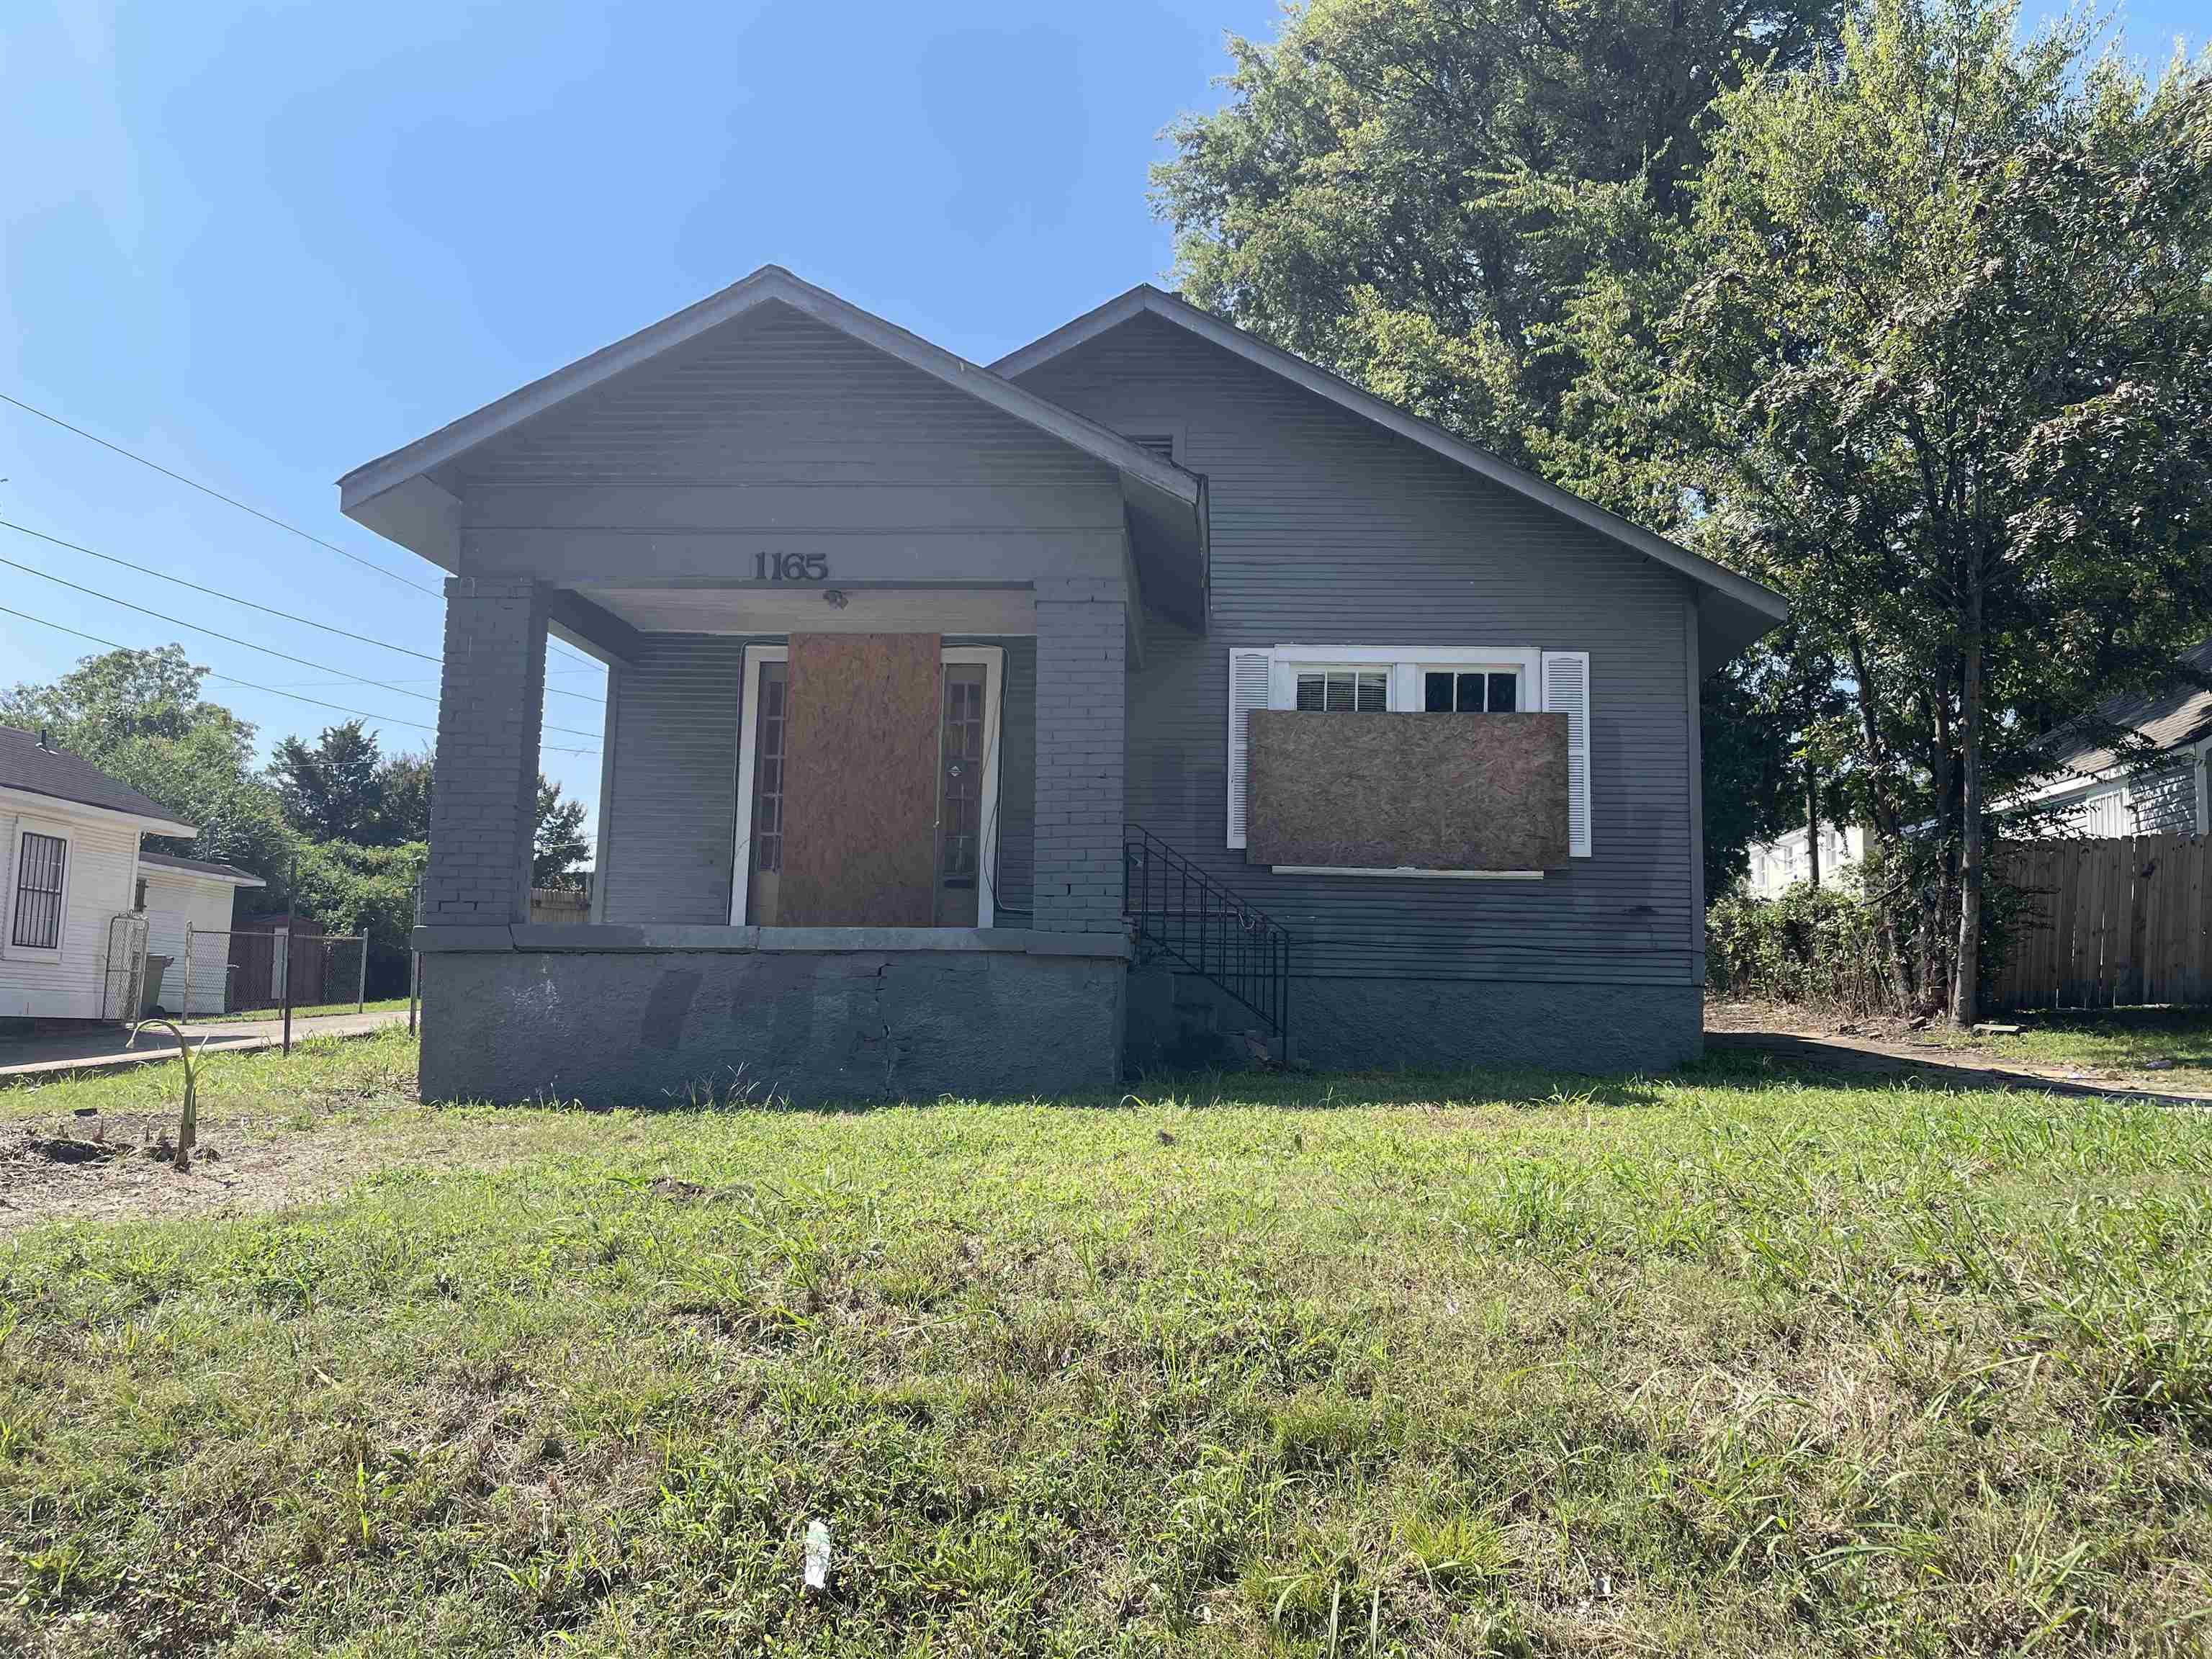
1329 530
779 421
671 815
103 869
171 901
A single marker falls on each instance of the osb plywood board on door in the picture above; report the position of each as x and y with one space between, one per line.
860 781
1419 791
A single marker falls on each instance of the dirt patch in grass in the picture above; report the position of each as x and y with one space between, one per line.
271 1133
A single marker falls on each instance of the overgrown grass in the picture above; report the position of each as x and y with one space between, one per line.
1728 1364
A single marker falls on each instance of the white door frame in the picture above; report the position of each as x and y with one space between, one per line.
993 660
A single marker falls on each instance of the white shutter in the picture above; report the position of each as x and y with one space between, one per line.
1248 690
1567 691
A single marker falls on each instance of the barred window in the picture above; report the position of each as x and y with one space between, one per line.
39 892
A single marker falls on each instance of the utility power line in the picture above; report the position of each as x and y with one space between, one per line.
251 604
233 639
228 501
232 500
250 685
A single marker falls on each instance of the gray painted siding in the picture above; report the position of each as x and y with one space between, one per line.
776 399
1328 530
670 821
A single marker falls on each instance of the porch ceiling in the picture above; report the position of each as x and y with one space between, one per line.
754 611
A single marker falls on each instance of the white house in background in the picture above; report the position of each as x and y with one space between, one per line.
69 837
2099 794
175 892
1778 865
2105 795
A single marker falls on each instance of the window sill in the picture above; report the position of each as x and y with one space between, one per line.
1407 873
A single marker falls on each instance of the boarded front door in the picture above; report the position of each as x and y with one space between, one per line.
860 781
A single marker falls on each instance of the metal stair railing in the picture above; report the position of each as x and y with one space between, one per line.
1181 913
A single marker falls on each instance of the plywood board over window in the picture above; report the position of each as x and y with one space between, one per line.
859 809
1408 792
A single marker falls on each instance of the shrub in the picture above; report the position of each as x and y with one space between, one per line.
1815 945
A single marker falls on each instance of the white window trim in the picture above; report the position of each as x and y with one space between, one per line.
992 658
60 830
1408 663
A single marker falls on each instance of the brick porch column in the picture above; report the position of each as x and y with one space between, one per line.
1082 752
483 806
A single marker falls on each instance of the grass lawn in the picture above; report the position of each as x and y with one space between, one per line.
373 1005
2115 1040
1725 1364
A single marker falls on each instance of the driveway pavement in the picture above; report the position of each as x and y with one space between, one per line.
107 1048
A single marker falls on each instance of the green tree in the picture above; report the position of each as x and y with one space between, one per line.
1937 364
559 846
332 789
138 716
403 781
1381 193
349 889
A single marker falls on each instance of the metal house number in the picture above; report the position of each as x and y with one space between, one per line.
790 567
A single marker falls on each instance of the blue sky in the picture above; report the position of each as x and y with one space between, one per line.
262 245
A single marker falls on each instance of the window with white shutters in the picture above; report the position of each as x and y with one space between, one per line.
1567 691
1412 679
1248 690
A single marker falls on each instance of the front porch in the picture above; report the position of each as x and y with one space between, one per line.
868 614
879 853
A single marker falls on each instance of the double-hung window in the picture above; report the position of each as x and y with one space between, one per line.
1413 680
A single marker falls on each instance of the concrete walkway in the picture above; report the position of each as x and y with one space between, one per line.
1871 1057
48 1058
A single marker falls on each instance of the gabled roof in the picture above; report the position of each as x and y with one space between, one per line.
1736 610
2178 711
28 765
391 496
207 867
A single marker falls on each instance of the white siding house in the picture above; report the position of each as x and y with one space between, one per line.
69 868
195 894
2094 790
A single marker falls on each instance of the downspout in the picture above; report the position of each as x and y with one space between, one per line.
1205 552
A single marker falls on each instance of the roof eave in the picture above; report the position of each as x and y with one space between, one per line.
366 494
1751 609
150 824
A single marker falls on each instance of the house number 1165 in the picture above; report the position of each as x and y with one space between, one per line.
790 566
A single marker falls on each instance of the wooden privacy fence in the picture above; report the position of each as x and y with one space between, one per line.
2107 922
559 906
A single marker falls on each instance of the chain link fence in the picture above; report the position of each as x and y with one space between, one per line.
262 970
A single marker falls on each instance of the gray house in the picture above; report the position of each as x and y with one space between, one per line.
974 730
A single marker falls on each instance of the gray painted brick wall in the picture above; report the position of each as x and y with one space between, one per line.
1082 693
483 809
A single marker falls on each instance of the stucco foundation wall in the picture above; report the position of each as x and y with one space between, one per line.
647 1028
1404 1025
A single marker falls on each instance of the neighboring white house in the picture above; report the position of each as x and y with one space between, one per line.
2105 795
175 892
2100 794
1778 865
68 874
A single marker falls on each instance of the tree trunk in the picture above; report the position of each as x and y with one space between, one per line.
1966 960
1813 825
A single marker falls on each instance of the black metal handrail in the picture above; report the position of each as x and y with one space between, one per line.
1180 911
